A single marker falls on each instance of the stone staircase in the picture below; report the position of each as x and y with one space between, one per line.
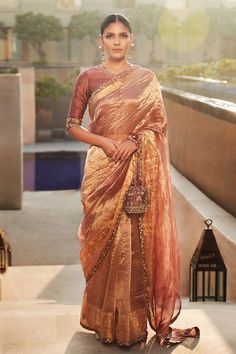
40 307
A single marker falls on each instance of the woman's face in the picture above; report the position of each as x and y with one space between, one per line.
116 40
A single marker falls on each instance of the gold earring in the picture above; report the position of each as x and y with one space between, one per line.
131 51
103 59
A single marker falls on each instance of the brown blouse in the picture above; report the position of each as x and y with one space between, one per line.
85 84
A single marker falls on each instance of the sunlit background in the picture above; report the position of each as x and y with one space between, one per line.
167 32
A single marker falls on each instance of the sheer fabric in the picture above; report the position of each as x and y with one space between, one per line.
131 263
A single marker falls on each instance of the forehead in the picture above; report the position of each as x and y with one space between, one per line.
116 27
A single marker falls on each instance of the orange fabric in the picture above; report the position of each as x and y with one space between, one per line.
131 264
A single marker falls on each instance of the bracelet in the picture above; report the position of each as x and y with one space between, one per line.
133 137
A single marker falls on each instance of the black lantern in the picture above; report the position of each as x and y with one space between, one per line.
5 252
207 276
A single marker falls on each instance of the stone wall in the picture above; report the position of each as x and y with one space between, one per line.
11 142
28 103
202 136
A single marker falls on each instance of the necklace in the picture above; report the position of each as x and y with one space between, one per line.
130 66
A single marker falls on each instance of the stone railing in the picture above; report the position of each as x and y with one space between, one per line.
202 140
209 87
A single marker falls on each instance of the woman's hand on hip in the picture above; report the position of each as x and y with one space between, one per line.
124 150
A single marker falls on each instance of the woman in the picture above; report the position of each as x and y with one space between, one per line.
130 261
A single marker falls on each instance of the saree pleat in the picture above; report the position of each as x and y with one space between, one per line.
131 264
114 303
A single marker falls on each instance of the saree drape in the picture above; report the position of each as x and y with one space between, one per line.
131 263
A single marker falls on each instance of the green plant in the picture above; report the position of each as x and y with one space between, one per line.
2 30
9 70
69 84
192 70
170 74
224 69
48 87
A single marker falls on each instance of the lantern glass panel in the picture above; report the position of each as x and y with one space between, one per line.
191 282
199 284
2 259
220 285
206 285
212 284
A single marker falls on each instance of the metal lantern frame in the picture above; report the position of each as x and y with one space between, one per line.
207 273
5 252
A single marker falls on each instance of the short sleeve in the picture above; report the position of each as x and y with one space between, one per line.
79 101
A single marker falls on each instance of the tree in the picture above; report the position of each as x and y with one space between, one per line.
2 30
145 20
222 30
37 29
184 32
87 24
170 29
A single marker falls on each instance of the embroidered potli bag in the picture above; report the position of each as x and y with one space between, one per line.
137 194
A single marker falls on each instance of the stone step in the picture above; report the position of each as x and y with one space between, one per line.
39 322
40 306
52 282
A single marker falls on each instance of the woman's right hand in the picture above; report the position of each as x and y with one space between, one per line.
109 146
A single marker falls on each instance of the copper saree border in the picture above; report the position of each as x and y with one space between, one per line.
106 248
118 342
141 239
120 205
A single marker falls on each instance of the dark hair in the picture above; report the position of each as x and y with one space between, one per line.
115 18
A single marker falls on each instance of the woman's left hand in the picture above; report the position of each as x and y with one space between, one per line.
124 150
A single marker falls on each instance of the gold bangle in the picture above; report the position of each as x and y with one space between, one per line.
133 137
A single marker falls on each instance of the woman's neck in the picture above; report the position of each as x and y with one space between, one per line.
117 66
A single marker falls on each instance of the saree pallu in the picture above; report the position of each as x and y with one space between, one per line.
130 262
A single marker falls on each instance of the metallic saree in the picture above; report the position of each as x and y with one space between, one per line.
130 262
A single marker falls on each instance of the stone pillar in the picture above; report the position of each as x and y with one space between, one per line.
28 104
11 143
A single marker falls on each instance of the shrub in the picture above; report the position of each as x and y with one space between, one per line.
9 70
48 87
224 69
